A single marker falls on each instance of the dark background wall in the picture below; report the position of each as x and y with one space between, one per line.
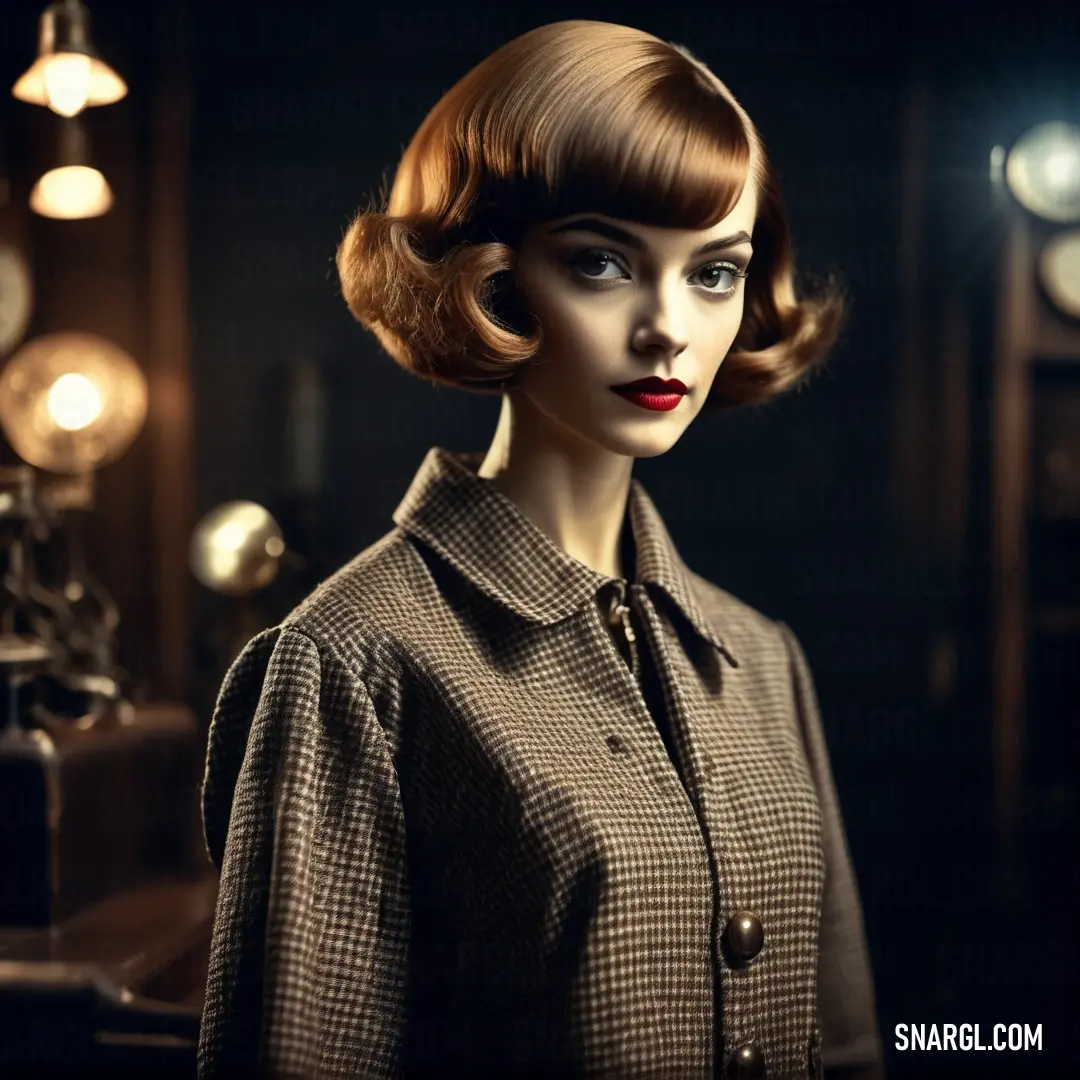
857 510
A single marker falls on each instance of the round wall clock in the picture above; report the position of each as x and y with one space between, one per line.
16 297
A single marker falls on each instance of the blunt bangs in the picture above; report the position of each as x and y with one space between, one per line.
572 117
625 125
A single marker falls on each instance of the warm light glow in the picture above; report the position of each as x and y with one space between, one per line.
75 402
1043 171
73 191
1062 169
67 82
105 85
71 402
1059 270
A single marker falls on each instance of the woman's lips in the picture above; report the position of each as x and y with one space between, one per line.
660 395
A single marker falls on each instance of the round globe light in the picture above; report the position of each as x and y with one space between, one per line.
70 403
1043 171
1059 271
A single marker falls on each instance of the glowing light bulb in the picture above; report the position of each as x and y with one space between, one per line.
1059 270
71 402
1043 171
71 191
74 402
67 82
1061 169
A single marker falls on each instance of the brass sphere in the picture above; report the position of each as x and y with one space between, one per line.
236 548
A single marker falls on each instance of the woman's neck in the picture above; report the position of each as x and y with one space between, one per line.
574 492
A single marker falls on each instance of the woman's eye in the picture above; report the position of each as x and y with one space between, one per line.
718 279
592 259
712 277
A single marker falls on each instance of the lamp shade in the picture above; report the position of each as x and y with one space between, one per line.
70 403
73 187
68 74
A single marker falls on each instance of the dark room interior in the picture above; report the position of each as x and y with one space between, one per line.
912 513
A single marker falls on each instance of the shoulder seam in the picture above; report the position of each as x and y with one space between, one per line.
324 650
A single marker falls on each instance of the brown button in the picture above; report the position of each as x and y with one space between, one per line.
747 1063
745 936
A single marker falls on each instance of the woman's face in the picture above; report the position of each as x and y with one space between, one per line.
618 302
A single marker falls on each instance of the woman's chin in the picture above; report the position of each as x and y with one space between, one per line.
639 443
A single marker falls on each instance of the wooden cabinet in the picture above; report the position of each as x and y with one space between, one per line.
114 991
1036 564
106 896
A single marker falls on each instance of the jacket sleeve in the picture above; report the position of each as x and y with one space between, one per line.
303 818
851 1044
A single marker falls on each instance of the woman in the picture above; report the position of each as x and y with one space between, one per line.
515 792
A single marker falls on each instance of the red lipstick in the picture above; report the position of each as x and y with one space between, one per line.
654 393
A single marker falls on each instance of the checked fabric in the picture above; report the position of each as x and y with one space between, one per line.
453 842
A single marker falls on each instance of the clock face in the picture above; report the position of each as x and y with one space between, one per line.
16 297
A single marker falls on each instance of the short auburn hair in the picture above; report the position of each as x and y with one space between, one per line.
570 117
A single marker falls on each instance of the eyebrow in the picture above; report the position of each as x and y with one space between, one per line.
613 232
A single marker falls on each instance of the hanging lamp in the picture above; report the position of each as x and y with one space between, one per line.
73 187
68 75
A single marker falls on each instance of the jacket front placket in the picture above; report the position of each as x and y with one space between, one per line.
761 1005
624 610
691 768
627 601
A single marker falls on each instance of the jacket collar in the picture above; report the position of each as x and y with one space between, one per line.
484 535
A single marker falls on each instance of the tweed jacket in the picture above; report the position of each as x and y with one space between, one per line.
452 841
